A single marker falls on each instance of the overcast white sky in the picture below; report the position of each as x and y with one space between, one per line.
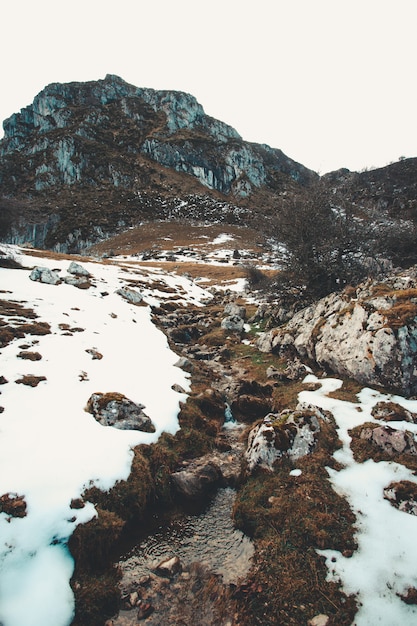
330 82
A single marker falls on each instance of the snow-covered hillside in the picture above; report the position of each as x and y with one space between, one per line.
50 447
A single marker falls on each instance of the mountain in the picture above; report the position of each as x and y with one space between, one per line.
87 158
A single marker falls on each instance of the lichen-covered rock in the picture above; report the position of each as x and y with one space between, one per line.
371 338
114 409
232 308
79 281
292 434
233 322
45 275
131 295
389 440
78 270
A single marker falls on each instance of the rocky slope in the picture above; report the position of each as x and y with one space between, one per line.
86 158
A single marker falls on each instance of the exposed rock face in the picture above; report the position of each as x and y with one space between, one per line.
114 409
290 434
372 337
138 147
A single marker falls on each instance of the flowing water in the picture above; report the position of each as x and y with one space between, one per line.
208 538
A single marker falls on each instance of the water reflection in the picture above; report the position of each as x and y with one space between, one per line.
209 538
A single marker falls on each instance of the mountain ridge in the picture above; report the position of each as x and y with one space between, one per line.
87 160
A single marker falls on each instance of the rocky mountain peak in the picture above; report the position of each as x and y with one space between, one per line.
126 153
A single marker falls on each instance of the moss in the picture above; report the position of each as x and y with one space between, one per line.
92 544
364 449
128 498
289 517
97 598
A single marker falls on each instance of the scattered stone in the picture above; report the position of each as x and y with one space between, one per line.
3 380
132 296
95 355
45 275
184 364
114 409
233 323
77 281
390 441
78 270
178 388
169 567
13 505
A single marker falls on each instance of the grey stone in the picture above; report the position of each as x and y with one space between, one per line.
114 409
45 275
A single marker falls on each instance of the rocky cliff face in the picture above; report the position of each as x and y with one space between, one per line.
121 150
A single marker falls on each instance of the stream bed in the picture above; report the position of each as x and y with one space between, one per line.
213 555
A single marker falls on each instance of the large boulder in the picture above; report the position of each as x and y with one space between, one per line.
45 275
371 337
291 434
114 409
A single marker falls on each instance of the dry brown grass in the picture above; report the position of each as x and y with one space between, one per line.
30 380
168 235
401 314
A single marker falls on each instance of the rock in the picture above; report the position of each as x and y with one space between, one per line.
319 620
292 434
184 364
95 355
403 496
169 567
390 441
392 412
114 409
233 323
372 338
45 275
81 282
198 481
78 270
178 388
232 309
132 296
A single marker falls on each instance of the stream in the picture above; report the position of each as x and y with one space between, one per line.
213 555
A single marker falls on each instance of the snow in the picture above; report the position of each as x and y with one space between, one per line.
50 448
384 564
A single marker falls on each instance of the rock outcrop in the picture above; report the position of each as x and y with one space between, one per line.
292 434
369 334
108 153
